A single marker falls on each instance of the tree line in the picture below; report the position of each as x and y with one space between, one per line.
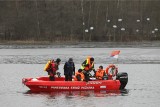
79 20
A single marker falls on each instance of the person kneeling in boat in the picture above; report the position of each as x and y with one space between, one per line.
100 74
53 69
111 71
87 66
79 76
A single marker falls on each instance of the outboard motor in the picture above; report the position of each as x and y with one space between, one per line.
123 78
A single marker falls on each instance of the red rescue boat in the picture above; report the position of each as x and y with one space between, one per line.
42 84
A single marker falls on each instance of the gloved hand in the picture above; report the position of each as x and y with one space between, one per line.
59 74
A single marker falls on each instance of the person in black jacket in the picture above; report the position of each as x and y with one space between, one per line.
69 69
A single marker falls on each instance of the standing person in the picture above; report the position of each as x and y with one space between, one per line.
87 66
111 71
69 69
54 68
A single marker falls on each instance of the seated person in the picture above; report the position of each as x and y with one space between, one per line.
100 73
111 71
79 76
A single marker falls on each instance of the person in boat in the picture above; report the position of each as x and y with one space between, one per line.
111 71
100 74
79 76
69 69
87 66
54 68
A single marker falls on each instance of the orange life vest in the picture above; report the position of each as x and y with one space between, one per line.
100 74
81 74
111 73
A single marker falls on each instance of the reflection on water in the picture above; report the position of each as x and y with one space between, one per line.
71 94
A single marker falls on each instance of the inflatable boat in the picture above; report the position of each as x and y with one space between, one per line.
42 84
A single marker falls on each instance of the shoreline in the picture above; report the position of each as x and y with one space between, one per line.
48 44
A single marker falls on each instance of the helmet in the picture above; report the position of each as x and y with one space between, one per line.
58 60
91 59
101 67
70 60
80 70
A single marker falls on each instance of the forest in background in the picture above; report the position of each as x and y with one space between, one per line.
79 20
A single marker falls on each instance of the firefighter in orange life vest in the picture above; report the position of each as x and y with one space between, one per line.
100 73
79 76
111 71
52 68
87 66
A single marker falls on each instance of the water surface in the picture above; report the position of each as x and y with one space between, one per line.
141 64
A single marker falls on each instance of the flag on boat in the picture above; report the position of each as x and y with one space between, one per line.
115 53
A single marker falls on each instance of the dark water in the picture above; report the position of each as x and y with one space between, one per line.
141 64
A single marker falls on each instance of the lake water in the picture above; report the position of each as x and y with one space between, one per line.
141 64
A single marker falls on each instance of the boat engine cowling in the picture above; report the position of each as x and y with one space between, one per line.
123 78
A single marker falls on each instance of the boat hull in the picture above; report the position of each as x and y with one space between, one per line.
42 84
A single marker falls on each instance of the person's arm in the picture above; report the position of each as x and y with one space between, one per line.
65 67
93 68
57 67
73 68
104 73
116 71
84 63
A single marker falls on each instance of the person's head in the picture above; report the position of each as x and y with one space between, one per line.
101 67
70 60
58 60
92 59
80 70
